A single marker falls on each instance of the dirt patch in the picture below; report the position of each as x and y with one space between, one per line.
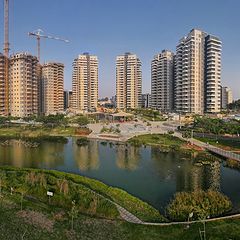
194 147
37 219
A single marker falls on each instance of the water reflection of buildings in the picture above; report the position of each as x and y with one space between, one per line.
127 157
188 175
18 155
87 157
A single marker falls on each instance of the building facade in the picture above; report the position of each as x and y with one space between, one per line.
198 73
128 81
2 85
67 99
52 88
85 83
146 100
162 81
227 97
23 85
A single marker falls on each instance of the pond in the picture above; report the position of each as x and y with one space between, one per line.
143 172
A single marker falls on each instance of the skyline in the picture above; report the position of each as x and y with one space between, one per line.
122 33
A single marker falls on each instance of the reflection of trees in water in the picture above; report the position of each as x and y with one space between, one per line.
127 157
87 157
188 176
18 155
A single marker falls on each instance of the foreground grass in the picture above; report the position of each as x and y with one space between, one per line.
45 223
82 189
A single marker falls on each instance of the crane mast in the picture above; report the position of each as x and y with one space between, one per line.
6 56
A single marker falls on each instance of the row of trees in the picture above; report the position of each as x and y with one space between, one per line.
216 126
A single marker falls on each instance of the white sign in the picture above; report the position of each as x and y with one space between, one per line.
50 194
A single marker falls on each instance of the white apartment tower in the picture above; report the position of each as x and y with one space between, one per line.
23 85
213 49
227 97
52 88
128 81
85 83
198 73
162 80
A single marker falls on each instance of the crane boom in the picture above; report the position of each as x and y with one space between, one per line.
38 34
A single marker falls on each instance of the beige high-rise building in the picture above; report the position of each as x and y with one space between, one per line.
162 78
85 83
2 85
52 88
128 81
23 85
198 73
227 97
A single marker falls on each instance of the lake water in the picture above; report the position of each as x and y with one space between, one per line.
143 172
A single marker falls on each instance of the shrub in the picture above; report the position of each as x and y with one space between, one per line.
201 203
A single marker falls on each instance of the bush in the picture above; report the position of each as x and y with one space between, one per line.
201 203
83 141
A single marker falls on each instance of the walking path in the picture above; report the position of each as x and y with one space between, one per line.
211 148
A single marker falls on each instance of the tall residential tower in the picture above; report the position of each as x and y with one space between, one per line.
128 81
198 73
162 78
52 88
85 83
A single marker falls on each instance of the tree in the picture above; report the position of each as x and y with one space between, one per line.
82 121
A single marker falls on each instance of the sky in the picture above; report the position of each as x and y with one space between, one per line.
108 28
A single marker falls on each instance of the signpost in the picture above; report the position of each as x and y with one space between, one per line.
49 194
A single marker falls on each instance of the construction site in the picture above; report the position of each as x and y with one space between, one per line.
24 90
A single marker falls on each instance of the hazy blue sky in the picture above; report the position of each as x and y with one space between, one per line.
107 28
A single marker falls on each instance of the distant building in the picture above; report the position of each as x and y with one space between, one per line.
227 97
162 81
52 88
146 100
85 83
67 99
128 81
23 85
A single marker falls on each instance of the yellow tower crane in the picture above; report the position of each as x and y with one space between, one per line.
39 34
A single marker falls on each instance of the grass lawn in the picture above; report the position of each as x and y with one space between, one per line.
37 131
48 223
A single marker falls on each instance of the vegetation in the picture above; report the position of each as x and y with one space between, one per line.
215 126
166 142
148 114
69 187
202 204
83 141
112 129
39 221
235 105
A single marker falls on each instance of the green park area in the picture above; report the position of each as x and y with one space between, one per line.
79 209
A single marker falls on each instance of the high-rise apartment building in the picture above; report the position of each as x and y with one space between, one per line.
67 99
227 97
23 85
52 88
85 83
213 49
146 100
198 73
2 85
162 80
128 81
